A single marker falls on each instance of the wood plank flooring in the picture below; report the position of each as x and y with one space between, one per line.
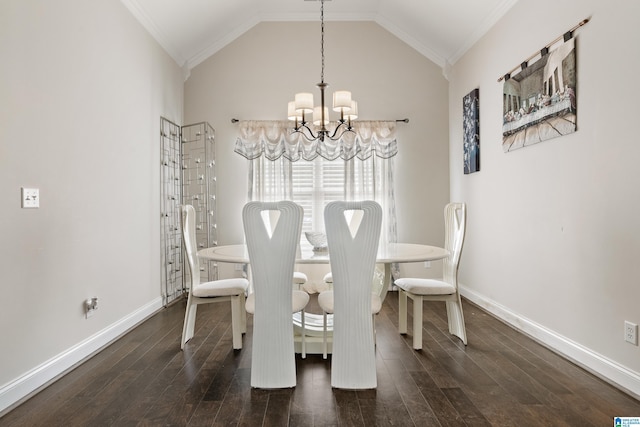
502 378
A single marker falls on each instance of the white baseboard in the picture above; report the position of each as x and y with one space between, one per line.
24 386
604 368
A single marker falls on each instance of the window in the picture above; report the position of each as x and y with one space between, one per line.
314 184
285 166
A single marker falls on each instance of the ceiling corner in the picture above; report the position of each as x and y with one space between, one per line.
219 44
141 16
482 29
430 54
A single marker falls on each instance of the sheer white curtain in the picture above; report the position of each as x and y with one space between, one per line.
274 139
285 166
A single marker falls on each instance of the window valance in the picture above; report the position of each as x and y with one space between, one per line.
276 138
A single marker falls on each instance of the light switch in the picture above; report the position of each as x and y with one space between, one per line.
30 198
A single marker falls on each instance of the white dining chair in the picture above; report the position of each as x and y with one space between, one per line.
272 255
352 256
445 289
299 278
232 290
353 219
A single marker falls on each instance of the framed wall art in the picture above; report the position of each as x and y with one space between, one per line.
471 131
540 100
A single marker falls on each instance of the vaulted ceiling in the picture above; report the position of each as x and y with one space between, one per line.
192 30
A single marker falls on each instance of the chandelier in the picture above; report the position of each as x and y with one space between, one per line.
299 109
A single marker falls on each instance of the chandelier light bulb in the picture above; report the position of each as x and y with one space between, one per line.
317 112
292 113
353 111
304 102
341 101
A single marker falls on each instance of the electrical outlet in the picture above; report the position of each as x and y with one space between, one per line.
30 198
427 264
631 332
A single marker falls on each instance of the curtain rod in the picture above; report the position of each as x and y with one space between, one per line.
545 50
234 120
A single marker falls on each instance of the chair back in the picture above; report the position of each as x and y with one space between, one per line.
455 222
272 254
352 254
190 244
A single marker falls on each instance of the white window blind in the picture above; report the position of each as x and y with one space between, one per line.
314 184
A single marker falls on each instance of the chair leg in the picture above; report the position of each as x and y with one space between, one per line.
455 318
373 323
324 335
417 322
402 311
189 322
304 333
236 321
243 313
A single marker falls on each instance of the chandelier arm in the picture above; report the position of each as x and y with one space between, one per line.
338 132
311 136
335 137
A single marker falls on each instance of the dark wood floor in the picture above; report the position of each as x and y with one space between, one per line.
501 378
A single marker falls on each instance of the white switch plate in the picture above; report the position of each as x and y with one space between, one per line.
30 198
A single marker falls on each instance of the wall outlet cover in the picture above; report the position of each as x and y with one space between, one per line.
30 198
631 332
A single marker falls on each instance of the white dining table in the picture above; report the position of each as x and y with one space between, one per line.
388 254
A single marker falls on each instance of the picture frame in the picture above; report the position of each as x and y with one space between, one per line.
471 131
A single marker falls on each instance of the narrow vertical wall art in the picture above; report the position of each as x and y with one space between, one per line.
471 131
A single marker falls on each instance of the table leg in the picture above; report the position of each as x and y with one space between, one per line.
387 281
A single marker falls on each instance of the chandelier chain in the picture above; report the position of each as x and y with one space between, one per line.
298 108
322 39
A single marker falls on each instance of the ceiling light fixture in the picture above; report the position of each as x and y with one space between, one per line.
299 109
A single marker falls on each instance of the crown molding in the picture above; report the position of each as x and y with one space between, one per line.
138 12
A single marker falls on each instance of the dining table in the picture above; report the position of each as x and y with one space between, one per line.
388 254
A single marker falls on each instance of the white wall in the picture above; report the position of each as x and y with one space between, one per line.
254 77
553 240
83 87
